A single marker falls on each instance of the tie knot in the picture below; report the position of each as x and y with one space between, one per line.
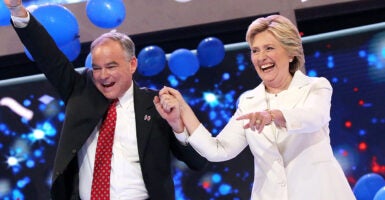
114 102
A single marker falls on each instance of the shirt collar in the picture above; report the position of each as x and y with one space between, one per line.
127 97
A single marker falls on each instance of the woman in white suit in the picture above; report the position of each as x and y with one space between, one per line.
284 120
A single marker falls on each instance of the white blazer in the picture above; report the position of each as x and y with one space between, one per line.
292 163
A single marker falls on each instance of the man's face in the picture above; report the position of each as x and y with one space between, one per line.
112 69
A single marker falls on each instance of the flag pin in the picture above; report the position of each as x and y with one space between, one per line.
147 118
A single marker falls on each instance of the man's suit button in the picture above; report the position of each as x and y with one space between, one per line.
74 151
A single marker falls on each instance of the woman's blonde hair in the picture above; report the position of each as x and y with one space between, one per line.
285 32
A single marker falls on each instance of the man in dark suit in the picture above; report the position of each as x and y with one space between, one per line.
141 161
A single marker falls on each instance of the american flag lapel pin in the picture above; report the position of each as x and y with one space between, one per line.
147 118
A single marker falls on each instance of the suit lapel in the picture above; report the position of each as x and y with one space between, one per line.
82 115
256 99
144 116
296 90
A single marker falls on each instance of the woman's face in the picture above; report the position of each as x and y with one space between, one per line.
270 59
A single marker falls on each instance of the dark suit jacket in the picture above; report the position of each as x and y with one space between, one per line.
86 106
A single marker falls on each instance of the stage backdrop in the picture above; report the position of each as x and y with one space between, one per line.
31 116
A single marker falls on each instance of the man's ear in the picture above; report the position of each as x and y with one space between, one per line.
133 64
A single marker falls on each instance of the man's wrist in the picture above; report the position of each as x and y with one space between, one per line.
179 129
20 22
178 126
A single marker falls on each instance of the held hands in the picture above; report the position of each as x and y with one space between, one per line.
257 120
186 114
169 109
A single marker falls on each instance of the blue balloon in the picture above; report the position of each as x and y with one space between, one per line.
368 185
211 52
151 60
5 15
88 62
71 49
380 194
106 13
183 63
60 22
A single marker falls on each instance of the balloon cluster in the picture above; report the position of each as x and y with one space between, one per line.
62 24
63 27
181 62
370 186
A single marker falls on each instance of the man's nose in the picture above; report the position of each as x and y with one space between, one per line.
104 73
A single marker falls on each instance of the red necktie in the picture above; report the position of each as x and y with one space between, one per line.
102 166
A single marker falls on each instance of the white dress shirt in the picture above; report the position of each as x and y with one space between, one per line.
126 175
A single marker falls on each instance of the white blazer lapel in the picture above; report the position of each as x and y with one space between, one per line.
253 100
297 89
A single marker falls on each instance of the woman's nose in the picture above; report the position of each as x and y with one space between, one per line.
261 55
